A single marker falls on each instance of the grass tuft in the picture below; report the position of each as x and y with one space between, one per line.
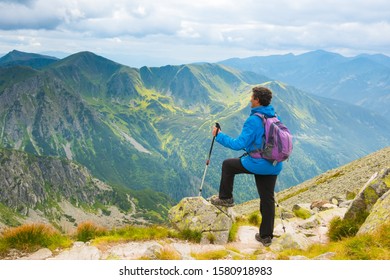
340 228
254 219
87 231
135 233
191 235
233 232
31 237
167 253
211 255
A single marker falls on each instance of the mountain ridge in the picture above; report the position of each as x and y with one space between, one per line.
121 122
361 80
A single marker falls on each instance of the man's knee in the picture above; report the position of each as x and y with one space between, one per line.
228 164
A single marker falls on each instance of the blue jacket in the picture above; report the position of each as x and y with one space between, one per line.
251 139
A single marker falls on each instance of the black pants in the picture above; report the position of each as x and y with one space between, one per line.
265 187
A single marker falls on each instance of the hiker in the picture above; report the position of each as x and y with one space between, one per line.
265 171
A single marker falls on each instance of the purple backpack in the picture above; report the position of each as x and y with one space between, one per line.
277 140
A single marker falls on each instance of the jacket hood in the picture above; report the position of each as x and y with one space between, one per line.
268 111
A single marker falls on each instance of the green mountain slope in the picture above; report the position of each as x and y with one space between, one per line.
64 193
361 80
150 128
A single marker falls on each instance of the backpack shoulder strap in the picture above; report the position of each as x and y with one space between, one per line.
264 117
261 116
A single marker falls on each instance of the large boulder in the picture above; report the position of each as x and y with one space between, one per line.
379 215
198 215
368 196
290 240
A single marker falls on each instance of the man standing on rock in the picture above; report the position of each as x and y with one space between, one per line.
265 172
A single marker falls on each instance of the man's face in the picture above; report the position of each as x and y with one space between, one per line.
254 102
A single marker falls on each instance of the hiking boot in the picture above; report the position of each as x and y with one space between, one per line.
215 200
266 241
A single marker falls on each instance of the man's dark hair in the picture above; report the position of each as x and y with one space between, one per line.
264 95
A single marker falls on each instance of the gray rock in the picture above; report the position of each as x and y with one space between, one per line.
318 204
153 251
345 204
325 256
290 241
336 200
41 254
197 214
368 195
79 251
299 258
310 223
379 215
133 250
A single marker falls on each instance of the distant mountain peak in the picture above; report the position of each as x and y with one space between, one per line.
19 55
89 59
19 58
88 55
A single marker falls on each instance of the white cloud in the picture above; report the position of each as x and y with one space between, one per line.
195 30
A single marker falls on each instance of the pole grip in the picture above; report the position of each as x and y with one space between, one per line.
218 127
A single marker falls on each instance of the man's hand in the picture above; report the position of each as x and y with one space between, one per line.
216 130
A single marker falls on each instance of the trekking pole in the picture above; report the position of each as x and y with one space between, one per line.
281 214
208 160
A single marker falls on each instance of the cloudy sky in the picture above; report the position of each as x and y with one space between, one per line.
155 33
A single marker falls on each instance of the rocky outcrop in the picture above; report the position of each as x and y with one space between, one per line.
379 214
366 200
198 215
378 194
27 181
56 191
